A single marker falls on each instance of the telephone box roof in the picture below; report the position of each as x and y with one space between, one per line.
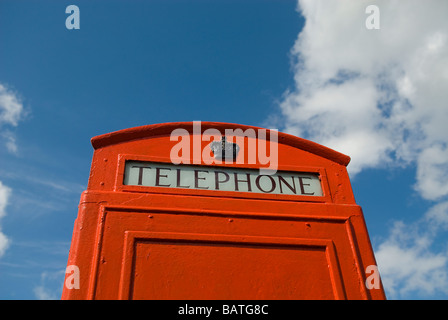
164 129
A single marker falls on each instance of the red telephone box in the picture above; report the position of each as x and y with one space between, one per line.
157 223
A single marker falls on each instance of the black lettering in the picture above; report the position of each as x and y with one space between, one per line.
140 173
249 188
281 179
178 180
218 181
158 175
257 182
302 188
197 178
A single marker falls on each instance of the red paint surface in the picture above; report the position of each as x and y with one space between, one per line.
134 242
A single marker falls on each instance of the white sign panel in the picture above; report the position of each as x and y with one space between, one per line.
152 174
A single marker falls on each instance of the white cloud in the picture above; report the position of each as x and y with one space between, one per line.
51 285
377 95
432 171
380 96
344 117
11 108
10 141
5 193
11 112
4 243
408 263
43 293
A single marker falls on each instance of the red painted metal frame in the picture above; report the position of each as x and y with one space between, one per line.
113 217
119 186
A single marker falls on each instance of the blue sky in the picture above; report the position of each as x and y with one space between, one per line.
134 63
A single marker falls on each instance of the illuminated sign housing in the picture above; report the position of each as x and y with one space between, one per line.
152 174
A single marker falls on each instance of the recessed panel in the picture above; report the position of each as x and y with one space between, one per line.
226 267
